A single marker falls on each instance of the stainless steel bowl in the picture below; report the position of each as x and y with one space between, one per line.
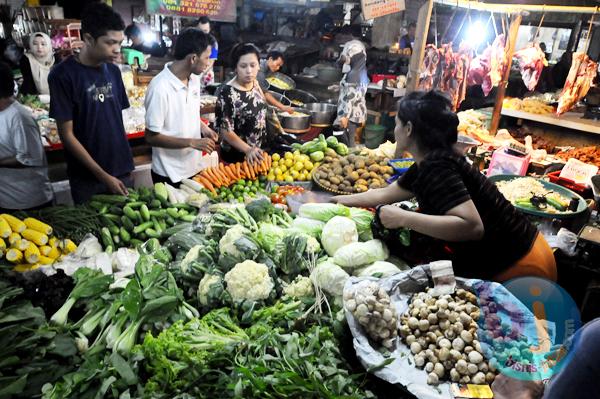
299 96
323 114
284 78
280 97
295 123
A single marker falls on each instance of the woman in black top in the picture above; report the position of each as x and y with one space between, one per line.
486 236
241 113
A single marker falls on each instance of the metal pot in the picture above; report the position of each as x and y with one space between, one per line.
295 123
284 78
280 97
323 114
329 73
299 98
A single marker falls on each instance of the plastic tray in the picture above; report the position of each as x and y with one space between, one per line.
570 184
565 192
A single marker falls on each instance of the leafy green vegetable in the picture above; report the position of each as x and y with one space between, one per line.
323 212
308 226
268 235
363 219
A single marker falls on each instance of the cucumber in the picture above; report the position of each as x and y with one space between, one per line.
145 212
106 222
110 199
130 213
187 218
115 210
134 242
106 238
96 205
158 213
135 204
173 213
116 239
156 226
124 235
114 218
114 230
150 232
161 193
142 227
109 250
154 204
152 245
127 223
170 221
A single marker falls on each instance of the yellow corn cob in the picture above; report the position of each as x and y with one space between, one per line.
14 256
44 260
35 236
22 267
36 225
14 238
36 266
22 245
53 242
45 250
15 224
2 244
32 253
54 253
67 246
5 229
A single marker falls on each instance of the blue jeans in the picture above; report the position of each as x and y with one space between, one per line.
82 189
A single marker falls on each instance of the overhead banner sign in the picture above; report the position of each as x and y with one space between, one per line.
217 10
378 8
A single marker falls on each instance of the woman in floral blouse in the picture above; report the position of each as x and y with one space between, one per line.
352 106
241 114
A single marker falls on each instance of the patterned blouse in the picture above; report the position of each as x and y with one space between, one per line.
351 102
242 112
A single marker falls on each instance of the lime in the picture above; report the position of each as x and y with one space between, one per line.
289 179
288 155
276 157
299 166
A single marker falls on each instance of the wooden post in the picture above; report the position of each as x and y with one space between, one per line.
419 47
512 41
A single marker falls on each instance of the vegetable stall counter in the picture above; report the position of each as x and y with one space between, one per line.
59 146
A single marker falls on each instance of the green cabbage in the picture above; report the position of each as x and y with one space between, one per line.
307 226
363 220
339 231
360 254
323 212
268 235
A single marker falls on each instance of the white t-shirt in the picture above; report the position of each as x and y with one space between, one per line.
28 186
173 109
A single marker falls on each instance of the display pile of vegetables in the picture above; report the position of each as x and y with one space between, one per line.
355 173
32 352
317 147
291 166
442 335
226 175
30 243
371 306
72 222
279 193
241 191
143 214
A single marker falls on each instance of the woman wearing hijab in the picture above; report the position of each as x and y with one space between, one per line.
352 106
36 63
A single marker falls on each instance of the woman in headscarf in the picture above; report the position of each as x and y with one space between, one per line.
36 63
352 106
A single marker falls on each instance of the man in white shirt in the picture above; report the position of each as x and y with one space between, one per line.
173 126
23 168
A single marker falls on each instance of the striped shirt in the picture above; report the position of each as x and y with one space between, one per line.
444 180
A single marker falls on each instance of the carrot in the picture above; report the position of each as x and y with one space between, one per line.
238 170
213 177
247 170
233 172
206 184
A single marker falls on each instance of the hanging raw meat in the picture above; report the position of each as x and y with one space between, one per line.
429 68
582 73
487 69
446 71
532 61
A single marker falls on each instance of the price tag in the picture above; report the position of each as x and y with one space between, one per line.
579 172
471 391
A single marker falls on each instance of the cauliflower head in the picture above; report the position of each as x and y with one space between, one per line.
249 280
204 288
299 288
227 242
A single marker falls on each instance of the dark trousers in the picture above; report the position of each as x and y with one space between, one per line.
82 189
35 208
156 178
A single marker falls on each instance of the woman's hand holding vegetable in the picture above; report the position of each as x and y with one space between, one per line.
254 155
114 185
393 217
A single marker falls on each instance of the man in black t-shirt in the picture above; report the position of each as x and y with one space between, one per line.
87 98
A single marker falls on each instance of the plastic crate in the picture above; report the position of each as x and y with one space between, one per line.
580 189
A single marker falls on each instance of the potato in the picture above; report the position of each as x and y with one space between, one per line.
374 168
338 170
351 158
347 182
335 180
370 161
386 176
328 159
374 175
354 176
334 187
361 182
365 175
344 161
325 183
359 164
375 184
361 188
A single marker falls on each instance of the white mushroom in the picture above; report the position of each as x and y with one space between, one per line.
466 336
444 354
415 348
429 367
410 339
413 323
419 360
475 357
478 378
438 369
423 325
461 367
454 375
472 368
458 344
432 379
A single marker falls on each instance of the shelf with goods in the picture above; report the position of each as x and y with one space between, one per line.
569 120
